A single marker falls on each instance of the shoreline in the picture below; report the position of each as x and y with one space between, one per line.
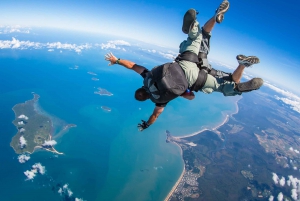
217 126
180 178
196 133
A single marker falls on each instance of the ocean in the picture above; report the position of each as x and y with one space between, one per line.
105 156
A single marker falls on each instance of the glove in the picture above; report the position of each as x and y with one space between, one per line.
143 125
110 57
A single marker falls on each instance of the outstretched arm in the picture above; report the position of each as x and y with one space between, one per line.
156 112
127 64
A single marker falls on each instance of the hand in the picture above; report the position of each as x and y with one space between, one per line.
143 125
110 57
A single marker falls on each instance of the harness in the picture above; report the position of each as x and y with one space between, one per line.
192 57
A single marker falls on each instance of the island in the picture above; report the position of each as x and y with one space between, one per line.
95 79
91 73
103 92
238 159
35 130
107 109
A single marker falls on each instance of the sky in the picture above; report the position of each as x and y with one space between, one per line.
267 29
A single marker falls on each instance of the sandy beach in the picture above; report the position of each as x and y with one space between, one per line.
196 133
177 182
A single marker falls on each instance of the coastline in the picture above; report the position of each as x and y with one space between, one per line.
218 125
196 133
179 179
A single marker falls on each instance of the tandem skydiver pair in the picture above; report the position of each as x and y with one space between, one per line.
190 72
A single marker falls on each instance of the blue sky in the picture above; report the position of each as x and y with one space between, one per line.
267 29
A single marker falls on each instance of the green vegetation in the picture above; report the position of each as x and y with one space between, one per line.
37 127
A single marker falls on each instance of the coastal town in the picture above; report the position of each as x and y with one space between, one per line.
187 185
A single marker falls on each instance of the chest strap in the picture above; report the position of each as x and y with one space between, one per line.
188 56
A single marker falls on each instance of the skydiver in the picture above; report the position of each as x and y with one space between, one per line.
197 71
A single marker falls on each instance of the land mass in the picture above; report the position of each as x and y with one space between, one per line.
103 92
34 129
236 160
106 108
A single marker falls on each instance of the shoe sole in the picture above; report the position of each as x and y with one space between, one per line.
188 19
223 8
250 59
251 85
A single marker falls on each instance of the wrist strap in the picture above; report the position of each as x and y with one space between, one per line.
118 61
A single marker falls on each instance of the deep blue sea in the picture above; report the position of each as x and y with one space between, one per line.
105 156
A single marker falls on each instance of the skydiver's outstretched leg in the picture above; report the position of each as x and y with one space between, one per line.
206 30
245 62
218 17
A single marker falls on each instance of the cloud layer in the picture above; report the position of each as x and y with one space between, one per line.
14 29
288 97
17 44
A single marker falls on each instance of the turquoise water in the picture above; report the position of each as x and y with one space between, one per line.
105 158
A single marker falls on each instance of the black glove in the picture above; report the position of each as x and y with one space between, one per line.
143 125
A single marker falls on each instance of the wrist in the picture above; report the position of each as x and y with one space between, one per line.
118 61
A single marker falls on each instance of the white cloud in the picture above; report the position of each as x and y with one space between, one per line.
289 98
275 178
50 50
41 169
280 197
49 143
21 123
65 190
168 55
282 181
23 158
78 199
14 29
152 51
271 198
16 44
36 168
66 46
22 116
114 44
294 194
29 174
22 142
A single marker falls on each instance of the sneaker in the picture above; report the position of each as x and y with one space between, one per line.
250 85
247 61
222 9
188 20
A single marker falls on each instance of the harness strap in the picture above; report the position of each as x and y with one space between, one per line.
188 56
202 55
201 79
